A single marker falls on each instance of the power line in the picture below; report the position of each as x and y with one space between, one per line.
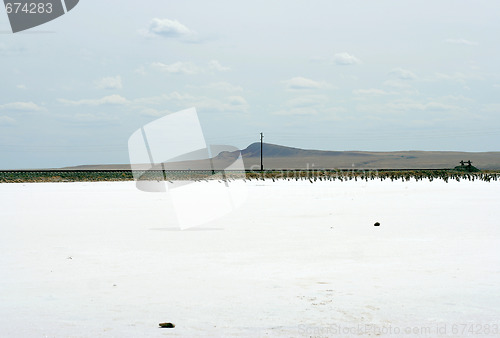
261 154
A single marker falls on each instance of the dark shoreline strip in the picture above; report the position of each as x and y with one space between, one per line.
20 176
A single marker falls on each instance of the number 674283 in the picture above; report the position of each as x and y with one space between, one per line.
28 8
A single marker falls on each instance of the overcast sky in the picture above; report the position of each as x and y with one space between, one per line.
334 75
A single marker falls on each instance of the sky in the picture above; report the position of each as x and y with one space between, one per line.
382 75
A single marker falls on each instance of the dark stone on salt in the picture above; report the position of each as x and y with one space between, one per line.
167 325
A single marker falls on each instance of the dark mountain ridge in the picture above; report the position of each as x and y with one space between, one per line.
275 150
282 157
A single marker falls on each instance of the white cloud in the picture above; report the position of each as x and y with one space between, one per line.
21 107
461 42
492 108
168 28
148 101
154 112
110 83
307 105
345 59
177 68
455 98
182 100
179 97
438 106
372 92
456 77
21 86
215 65
237 101
6 121
141 70
409 106
89 119
474 65
93 118
411 110
174 97
9 50
307 101
107 100
395 83
188 68
402 74
228 104
302 83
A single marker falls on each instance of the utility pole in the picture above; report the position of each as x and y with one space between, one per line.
261 163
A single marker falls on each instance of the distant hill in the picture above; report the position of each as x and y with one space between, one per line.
282 157
274 150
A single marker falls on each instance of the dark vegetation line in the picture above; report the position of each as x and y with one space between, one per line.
459 173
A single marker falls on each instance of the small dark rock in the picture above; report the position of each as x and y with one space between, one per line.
377 224
167 325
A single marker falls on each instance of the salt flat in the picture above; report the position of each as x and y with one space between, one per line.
298 259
